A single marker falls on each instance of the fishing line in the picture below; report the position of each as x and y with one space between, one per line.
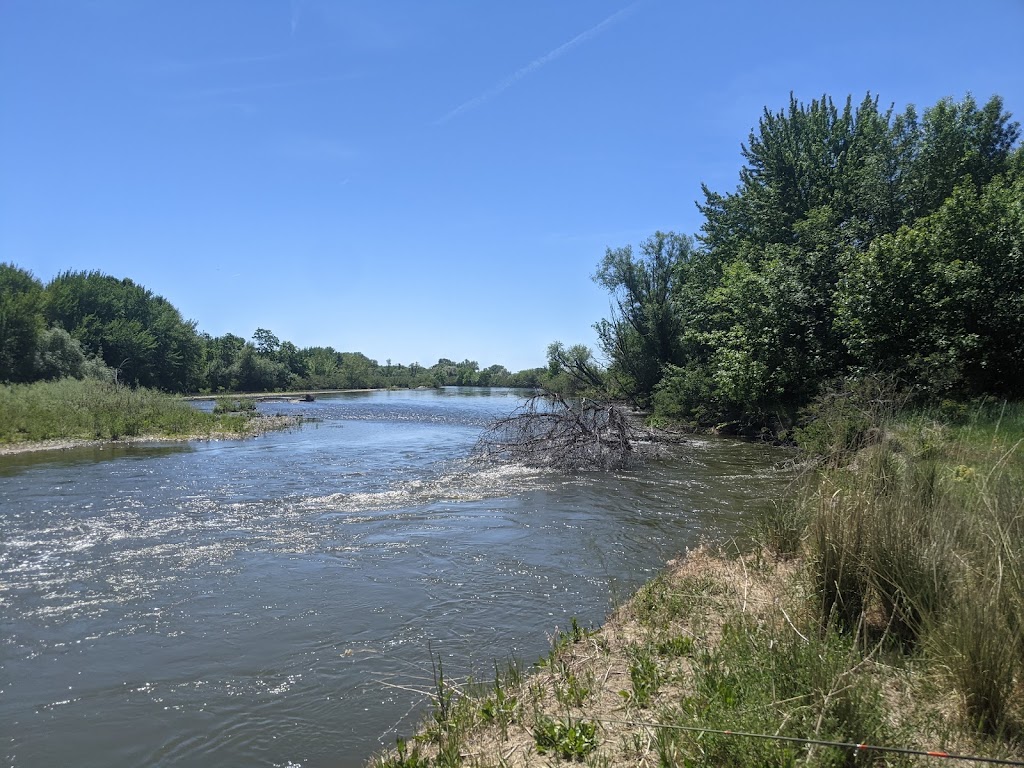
936 753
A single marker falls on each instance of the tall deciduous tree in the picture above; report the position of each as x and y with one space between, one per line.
21 323
643 333
857 240
138 333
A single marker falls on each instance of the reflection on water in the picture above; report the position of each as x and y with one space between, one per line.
246 602
18 463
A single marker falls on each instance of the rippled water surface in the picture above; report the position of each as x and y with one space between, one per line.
256 602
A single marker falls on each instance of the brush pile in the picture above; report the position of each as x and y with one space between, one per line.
568 434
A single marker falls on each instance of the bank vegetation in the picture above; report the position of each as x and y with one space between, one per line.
881 602
859 241
859 294
81 323
68 411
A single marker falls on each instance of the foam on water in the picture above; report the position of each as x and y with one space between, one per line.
242 602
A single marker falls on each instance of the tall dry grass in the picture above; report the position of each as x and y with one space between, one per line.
917 530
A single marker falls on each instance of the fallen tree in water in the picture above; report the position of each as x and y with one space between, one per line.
550 430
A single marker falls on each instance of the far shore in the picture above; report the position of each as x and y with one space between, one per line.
258 425
270 396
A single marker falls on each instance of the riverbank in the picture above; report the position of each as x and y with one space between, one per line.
58 415
883 605
716 642
273 396
253 427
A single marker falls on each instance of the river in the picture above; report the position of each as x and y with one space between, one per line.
271 601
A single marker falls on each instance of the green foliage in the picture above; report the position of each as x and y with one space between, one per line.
685 393
21 323
266 342
502 707
848 416
779 527
570 689
140 335
767 679
643 334
675 646
644 676
94 409
58 355
403 757
87 324
941 300
661 601
572 370
566 738
858 242
916 535
234 405
563 639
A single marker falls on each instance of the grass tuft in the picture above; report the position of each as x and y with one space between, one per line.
90 409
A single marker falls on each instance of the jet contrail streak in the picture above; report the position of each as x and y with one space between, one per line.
534 65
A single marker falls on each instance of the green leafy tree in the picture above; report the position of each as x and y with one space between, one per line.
58 355
221 355
443 372
254 372
21 323
267 344
942 302
958 142
643 333
855 241
466 373
137 333
358 371
321 366
494 376
572 370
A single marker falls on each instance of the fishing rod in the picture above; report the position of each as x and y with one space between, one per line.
936 753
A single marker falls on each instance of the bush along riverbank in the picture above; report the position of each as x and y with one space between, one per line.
70 411
882 607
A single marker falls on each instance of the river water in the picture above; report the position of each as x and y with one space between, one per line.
272 601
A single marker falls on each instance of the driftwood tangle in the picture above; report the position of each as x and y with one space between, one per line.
550 430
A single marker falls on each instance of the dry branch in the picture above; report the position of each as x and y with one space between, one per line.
550 430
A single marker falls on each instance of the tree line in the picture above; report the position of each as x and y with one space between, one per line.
859 241
89 324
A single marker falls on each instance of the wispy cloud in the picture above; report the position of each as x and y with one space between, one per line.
534 65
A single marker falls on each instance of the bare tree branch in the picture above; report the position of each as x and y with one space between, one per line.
550 430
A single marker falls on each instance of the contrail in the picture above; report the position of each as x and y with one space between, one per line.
534 65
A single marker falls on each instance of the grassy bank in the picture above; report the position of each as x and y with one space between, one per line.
918 536
73 409
884 605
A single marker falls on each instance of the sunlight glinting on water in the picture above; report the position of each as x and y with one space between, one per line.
257 601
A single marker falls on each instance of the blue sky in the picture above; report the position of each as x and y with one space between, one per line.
416 179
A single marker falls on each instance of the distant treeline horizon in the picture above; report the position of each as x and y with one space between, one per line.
90 324
859 242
